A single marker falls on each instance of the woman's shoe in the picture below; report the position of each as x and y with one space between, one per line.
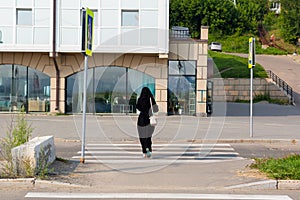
148 153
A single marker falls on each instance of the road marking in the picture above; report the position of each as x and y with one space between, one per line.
153 196
161 145
162 153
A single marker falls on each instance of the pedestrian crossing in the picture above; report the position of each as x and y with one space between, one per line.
73 195
162 153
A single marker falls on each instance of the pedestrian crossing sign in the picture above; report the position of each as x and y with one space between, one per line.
251 58
87 31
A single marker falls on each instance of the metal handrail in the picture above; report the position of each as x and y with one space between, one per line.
282 84
180 34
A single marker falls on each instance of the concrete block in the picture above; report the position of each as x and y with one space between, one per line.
33 151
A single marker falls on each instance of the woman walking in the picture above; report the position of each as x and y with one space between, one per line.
145 130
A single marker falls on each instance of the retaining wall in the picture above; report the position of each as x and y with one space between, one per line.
233 89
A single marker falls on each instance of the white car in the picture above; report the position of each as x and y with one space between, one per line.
215 46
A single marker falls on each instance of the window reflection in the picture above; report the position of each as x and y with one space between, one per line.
24 16
23 87
182 87
130 17
110 90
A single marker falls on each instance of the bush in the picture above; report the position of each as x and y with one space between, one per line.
18 133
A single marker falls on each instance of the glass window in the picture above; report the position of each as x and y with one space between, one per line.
24 16
181 67
74 92
110 90
18 87
136 81
23 87
38 91
182 87
130 17
5 87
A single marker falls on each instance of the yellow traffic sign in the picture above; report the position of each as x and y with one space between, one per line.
87 31
251 57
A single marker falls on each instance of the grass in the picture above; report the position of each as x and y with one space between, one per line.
231 66
282 168
240 44
264 97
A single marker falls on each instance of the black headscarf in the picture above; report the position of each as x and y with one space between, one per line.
143 105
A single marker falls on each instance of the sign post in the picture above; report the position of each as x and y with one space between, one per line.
87 44
251 65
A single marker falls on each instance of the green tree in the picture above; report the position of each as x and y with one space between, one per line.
222 17
289 18
250 14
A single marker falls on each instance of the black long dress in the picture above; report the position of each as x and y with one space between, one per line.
145 130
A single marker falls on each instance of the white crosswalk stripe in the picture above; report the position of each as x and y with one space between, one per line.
168 153
153 196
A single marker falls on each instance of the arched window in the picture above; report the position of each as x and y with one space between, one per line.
23 87
110 90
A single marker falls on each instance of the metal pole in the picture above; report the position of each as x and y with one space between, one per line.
84 108
251 103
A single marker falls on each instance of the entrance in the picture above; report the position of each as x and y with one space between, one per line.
182 87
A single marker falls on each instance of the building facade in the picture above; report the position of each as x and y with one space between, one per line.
41 64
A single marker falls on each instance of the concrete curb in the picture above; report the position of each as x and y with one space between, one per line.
33 181
247 140
17 180
289 184
59 183
270 141
270 184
